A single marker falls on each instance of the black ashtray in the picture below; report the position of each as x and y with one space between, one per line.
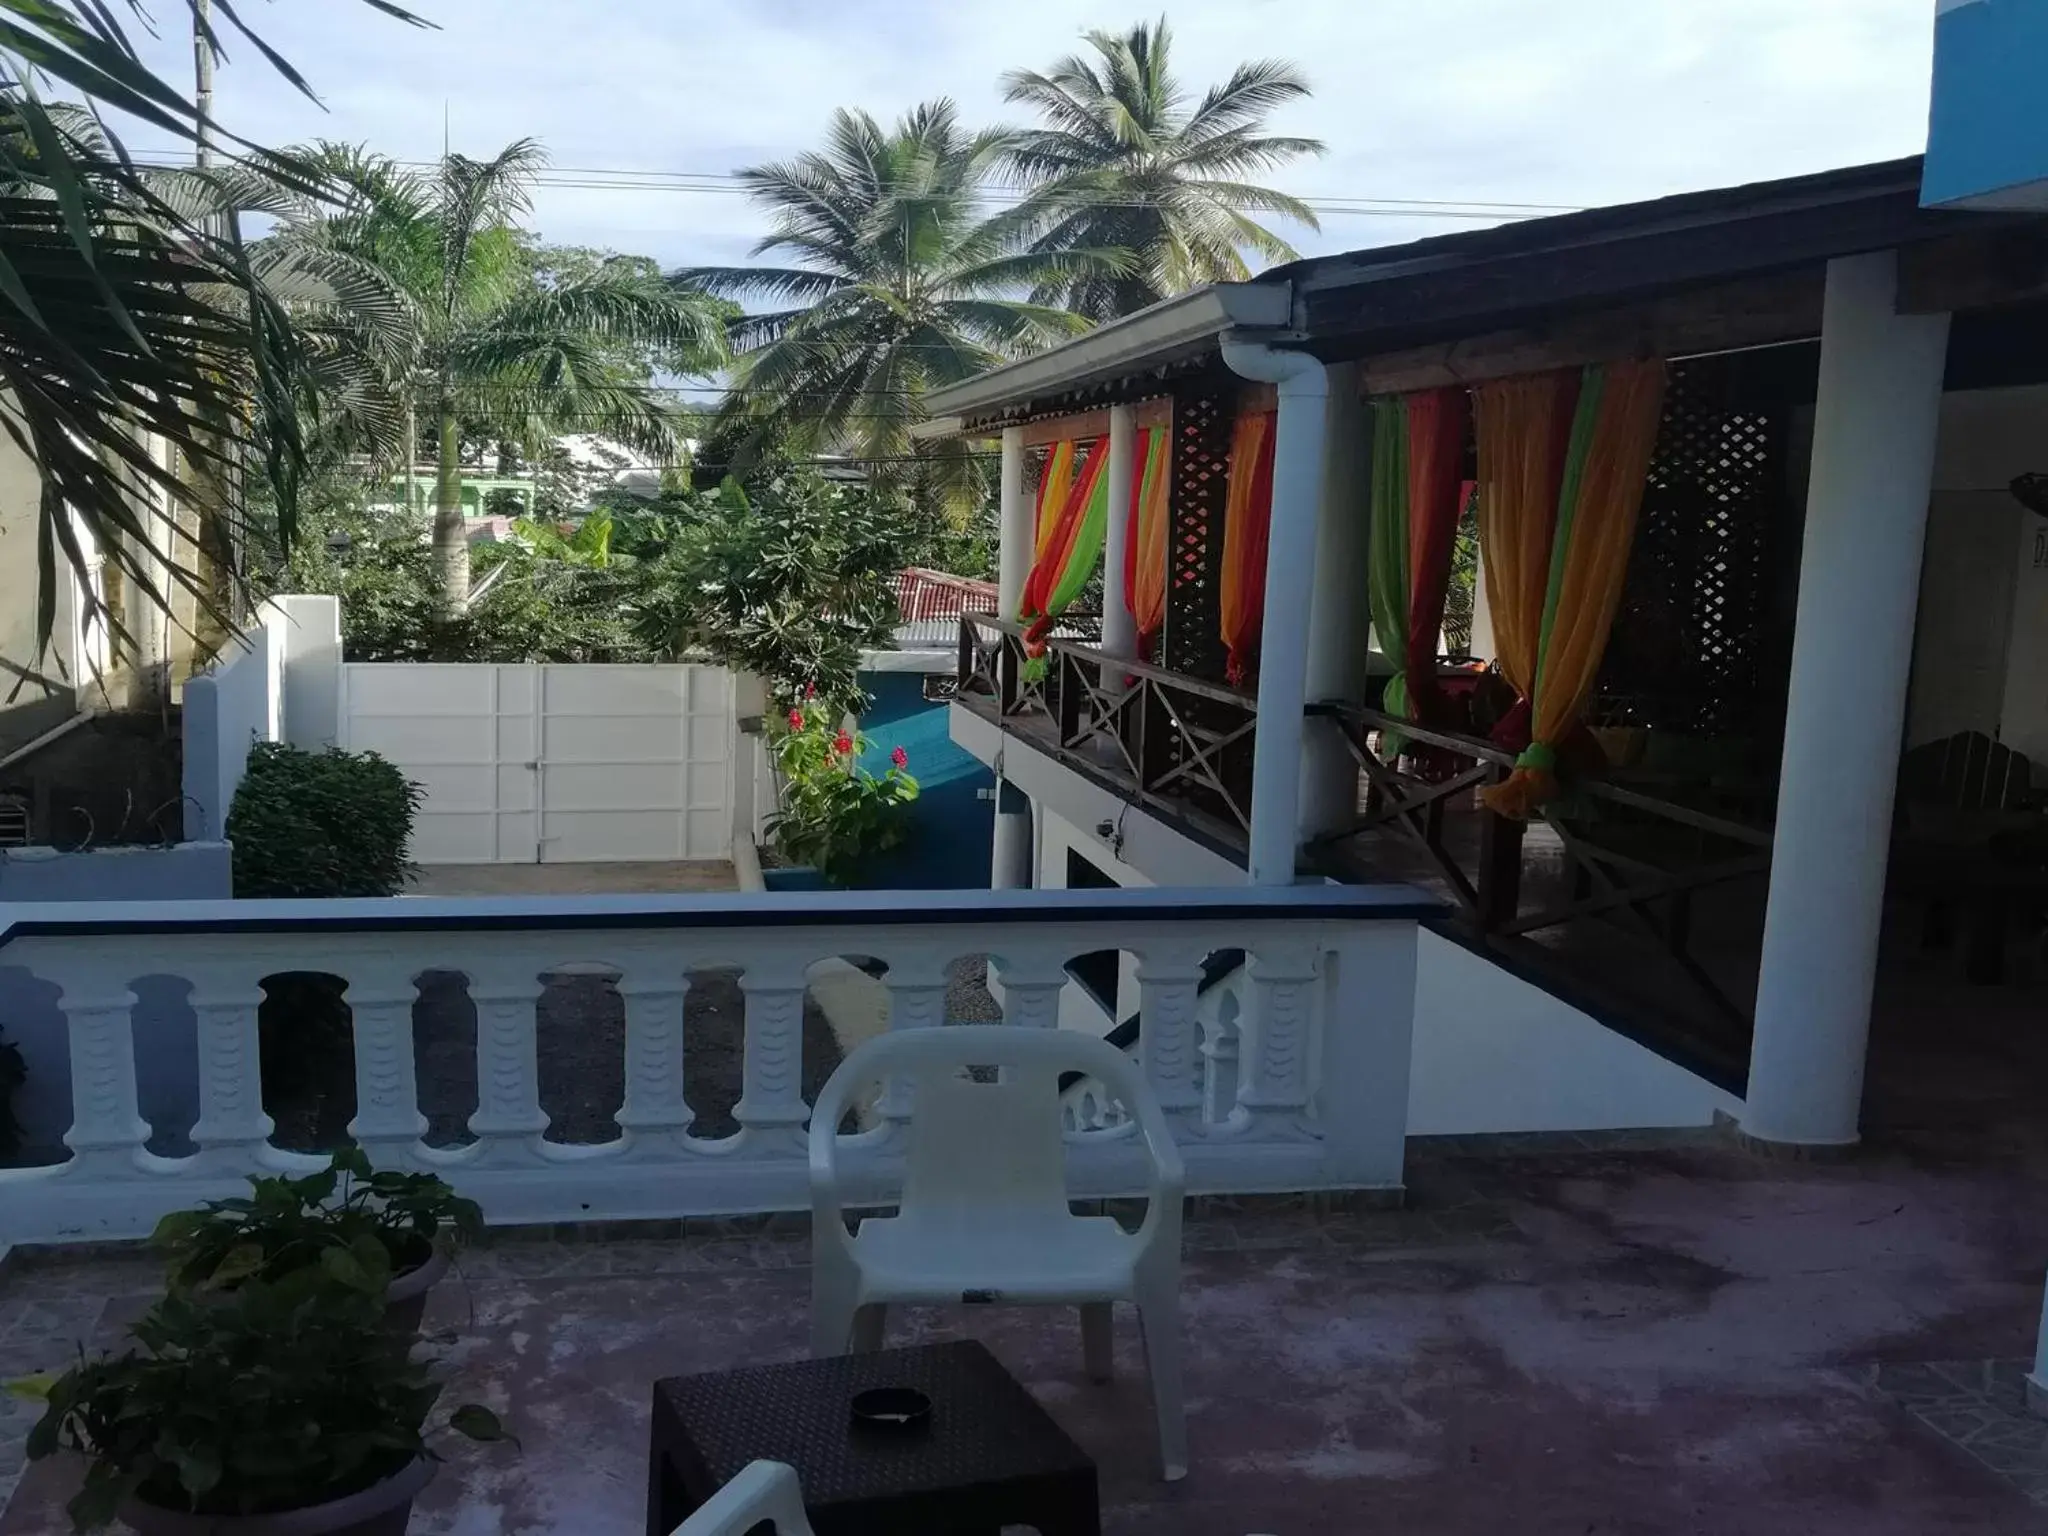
894 1409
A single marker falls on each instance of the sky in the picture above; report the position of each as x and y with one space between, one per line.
1565 102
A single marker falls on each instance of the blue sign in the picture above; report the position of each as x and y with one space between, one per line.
1987 130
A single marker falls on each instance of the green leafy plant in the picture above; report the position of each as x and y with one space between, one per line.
271 1398
347 1224
327 823
792 582
835 815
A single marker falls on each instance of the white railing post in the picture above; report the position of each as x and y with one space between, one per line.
509 1122
917 1000
1367 1039
232 1132
1219 1061
1278 1023
1169 992
771 1110
1032 980
655 1115
388 1124
107 1132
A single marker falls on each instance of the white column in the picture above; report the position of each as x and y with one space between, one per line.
1013 527
1119 627
1011 864
1290 572
1875 420
1339 618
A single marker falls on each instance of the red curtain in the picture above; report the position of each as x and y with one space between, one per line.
1436 440
1247 519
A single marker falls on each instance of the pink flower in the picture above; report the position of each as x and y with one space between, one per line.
796 719
842 743
810 690
900 758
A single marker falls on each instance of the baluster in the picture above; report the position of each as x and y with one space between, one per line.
655 1114
1031 984
917 1000
1219 1061
1273 1086
771 1110
388 1124
1169 993
509 1122
107 1131
232 1132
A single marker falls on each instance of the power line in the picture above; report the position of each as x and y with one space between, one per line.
731 184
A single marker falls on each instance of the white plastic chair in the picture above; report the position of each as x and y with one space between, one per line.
984 1216
763 1490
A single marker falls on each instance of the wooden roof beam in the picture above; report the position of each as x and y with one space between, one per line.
1725 318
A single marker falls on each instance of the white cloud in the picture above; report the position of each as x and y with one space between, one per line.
1569 101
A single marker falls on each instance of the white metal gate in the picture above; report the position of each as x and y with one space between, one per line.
553 764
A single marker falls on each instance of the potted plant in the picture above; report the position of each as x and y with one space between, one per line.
385 1234
275 1410
835 815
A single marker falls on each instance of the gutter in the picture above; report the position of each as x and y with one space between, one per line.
1167 331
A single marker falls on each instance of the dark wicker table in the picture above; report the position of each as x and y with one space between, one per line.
989 1456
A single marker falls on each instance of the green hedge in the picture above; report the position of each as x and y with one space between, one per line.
321 824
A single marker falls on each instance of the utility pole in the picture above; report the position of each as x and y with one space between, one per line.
202 71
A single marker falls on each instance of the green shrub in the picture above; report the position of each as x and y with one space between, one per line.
321 824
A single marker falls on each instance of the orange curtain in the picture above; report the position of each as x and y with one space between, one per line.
1145 545
1247 516
1521 427
1566 602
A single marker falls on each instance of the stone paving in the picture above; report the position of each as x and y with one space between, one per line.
1979 1405
1560 1336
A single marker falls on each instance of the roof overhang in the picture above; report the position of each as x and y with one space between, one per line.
1162 334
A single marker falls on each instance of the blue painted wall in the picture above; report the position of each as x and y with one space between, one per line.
953 820
1987 135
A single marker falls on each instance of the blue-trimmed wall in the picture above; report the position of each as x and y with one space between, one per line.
953 821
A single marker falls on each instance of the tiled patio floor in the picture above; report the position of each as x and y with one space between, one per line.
1553 1341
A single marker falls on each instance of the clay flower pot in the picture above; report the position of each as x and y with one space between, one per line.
382 1509
406 1298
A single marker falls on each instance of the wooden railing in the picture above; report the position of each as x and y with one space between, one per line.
1178 742
1635 860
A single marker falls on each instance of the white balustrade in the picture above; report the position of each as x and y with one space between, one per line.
1327 998
232 1132
388 1123
509 1122
655 1114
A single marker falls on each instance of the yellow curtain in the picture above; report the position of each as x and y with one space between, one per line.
1247 515
1520 427
1147 544
1055 481
1574 590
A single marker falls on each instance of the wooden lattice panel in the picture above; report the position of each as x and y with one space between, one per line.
1192 642
1691 642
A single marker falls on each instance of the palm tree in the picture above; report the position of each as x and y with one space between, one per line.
123 322
487 343
1123 162
902 283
